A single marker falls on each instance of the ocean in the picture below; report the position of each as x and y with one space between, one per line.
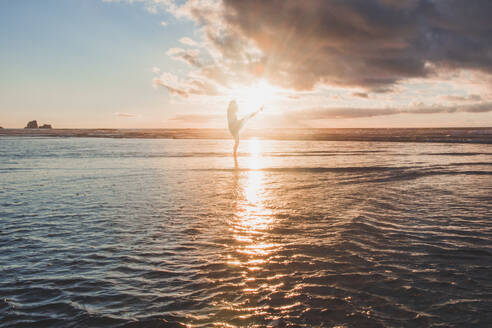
122 232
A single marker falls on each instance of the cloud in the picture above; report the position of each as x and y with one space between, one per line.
399 47
188 42
172 84
356 43
191 56
301 117
360 94
185 88
196 118
464 98
128 115
174 51
163 23
348 113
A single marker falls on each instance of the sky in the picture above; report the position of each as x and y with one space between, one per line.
312 63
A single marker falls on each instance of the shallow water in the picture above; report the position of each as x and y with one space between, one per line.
150 233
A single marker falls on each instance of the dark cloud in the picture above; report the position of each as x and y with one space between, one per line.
347 113
464 98
372 44
360 94
299 117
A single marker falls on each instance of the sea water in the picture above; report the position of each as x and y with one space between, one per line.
165 233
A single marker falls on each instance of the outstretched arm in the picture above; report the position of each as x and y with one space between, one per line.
245 119
254 113
259 110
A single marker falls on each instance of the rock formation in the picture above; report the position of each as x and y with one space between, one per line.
32 125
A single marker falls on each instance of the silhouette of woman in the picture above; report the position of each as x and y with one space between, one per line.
236 125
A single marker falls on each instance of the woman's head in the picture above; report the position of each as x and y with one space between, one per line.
232 106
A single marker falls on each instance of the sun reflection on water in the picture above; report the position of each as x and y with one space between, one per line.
252 218
255 150
254 244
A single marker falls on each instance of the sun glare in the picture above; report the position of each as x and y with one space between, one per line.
252 97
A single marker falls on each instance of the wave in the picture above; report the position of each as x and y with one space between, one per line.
457 154
401 172
354 169
97 154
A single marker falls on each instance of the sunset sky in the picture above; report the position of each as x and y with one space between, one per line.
313 63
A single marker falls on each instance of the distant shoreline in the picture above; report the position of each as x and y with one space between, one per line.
482 135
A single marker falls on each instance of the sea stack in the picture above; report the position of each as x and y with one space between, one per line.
32 125
45 126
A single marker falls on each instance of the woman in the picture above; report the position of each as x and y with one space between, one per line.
236 125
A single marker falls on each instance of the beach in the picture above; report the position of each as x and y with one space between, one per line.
152 232
447 135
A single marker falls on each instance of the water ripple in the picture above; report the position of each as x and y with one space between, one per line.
154 234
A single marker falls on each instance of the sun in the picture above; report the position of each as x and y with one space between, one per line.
252 97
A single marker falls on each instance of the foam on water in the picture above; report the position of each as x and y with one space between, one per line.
163 233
